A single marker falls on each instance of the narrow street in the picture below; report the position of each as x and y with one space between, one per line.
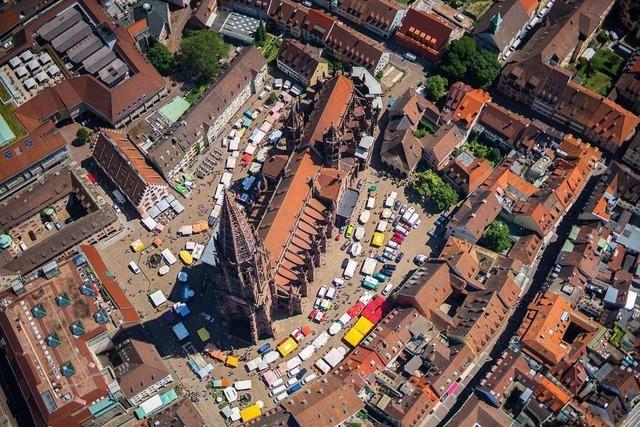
547 261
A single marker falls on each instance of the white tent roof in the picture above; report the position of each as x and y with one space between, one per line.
53 70
30 83
149 223
158 298
26 55
15 61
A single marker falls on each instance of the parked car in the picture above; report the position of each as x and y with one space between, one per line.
386 272
345 245
399 257
379 258
420 259
32 235
264 347
48 226
397 205
116 208
389 266
349 232
344 263
360 184
301 373
57 225
396 221
403 209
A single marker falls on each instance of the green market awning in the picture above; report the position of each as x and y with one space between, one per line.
63 299
67 369
77 328
53 339
39 311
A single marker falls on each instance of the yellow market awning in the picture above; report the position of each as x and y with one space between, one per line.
363 325
203 334
353 337
186 257
137 246
377 240
287 346
250 412
232 361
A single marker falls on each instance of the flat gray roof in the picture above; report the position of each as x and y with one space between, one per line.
98 60
84 48
348 203
70 37
113 72
56 26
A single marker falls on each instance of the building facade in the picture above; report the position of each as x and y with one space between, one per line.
121 161
302 63
203 123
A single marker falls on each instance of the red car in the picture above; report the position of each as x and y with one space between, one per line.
400 236
397 240
313 314
338 237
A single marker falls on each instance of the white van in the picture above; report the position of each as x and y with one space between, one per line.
281 397
338 281
134 267
331 293
309 378
293 372
276 391
292 381
322 292
387 288
277 383
410 56
392 245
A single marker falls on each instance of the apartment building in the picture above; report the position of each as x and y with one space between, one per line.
127 167
203 123
302 62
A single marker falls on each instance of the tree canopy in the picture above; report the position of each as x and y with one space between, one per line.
429 185
496 237
260 36
200 55
492 154
83 135
463 60
161 58
435 87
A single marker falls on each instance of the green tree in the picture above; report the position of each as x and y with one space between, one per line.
456 58
260 36
496 237
83 135
429 185
200 55
161 58
272 98
435 87
483 68
463 60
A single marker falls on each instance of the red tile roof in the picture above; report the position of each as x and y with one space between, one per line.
330 110
44 140
113 104
112 287
423 33
133 155
469 107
